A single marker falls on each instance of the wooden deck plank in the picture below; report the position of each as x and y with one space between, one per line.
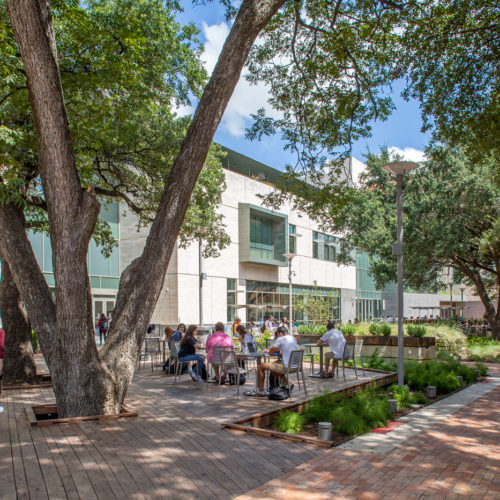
53 482
171 447
80 478
8 486
94 472
115 453
17 458
100 458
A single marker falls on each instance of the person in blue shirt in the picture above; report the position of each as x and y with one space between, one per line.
179 333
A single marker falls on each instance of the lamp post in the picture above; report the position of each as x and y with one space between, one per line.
289 257
462 288
399 169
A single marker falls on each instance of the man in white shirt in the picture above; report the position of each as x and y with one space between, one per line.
268 324
336 341
285 344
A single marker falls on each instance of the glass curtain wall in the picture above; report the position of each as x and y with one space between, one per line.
369 299
272 298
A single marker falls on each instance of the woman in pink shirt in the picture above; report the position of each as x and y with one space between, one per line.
217 339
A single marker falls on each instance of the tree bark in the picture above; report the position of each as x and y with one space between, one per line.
491 314
19 363
85 381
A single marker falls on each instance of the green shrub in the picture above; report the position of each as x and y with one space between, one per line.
416 330
377 362
303 330
385 329
402 395
322 330
418 398
289 422
318 410
482 341
483 370
348 329
374 329
442 374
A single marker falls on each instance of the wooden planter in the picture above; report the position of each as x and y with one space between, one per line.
419 348
48 409
255 423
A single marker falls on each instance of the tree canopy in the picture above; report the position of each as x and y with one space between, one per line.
451 213
123 66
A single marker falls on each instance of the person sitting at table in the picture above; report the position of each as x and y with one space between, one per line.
218 339
168 333
336 341
285 344
244 336
179 333
187 352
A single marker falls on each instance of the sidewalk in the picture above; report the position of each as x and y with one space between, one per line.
430 457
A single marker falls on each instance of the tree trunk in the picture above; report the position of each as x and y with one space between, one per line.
19 364
491 314
88 382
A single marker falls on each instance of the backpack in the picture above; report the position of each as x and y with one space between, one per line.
274 381
279 394
232 379
104 325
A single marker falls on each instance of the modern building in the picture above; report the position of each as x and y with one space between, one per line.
250 277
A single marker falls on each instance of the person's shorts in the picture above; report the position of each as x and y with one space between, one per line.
277 367
331 355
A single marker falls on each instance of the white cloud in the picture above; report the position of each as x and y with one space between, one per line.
408 154
246 99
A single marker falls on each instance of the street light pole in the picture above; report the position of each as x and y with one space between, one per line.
399 253
289 257
399 169
462 300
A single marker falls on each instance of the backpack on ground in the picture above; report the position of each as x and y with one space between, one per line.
232 379
279 394
274 381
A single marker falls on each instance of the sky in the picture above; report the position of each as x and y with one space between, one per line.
400 133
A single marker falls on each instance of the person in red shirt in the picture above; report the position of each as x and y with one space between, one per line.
2 347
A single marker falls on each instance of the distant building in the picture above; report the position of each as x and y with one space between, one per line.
250 277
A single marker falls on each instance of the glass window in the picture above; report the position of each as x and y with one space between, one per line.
292 229
231 298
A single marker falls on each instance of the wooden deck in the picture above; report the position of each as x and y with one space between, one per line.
175 448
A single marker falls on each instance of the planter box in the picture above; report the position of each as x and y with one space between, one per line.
419 348
254 424
34 413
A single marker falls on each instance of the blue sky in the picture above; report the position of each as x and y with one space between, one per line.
401 131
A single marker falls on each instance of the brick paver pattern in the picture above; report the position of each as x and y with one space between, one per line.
457 458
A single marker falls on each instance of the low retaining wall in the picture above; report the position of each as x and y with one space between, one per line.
419 348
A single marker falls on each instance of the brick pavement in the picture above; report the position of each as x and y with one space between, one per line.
458 457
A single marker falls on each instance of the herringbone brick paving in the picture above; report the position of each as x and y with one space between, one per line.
456 458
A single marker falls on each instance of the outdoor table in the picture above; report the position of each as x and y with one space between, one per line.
258 356
321 347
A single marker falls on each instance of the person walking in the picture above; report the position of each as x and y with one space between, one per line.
102 326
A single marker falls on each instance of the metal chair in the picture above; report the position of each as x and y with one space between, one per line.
295 366
269 343
358 348
308 353
174 348
152 349
225 358
347 354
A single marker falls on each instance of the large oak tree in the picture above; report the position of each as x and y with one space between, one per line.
109 87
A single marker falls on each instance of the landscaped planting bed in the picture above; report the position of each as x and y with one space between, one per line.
353 413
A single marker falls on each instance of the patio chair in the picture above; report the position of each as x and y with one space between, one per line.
295 366
174 348
358 349
151 349
308 354
347 354
269 343
225 358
